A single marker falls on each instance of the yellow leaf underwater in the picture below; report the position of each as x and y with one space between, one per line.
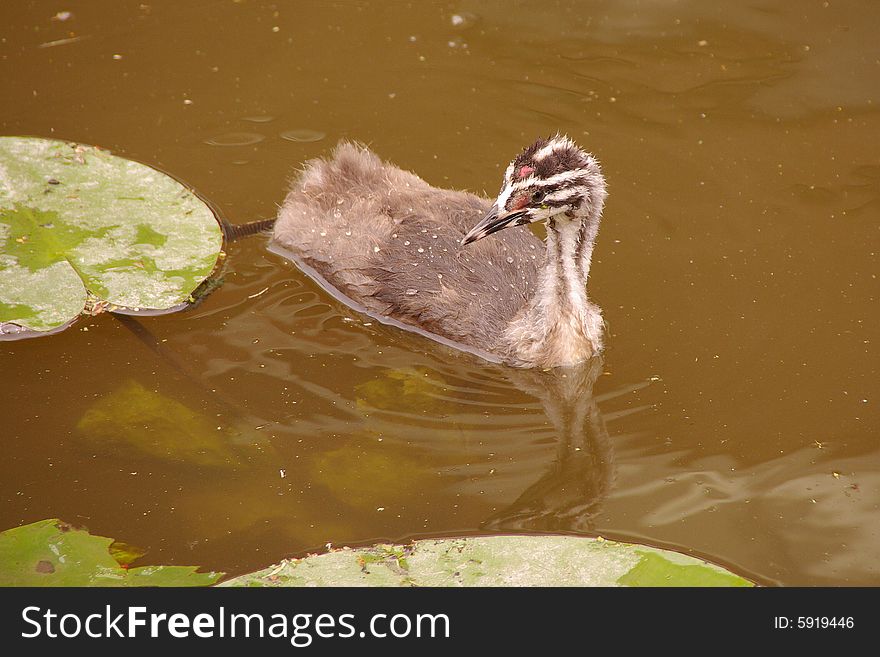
134 419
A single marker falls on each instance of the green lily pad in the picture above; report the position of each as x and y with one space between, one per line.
52 553
81 229
658 569
496 561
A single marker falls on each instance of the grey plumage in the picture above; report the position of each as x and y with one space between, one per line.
390 242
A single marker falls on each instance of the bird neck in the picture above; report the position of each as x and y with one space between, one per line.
569 253
559 326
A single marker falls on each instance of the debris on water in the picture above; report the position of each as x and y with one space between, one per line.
463 20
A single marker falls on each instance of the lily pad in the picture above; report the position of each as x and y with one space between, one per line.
367 473
496 561
52 553
81 229
411 390
132 420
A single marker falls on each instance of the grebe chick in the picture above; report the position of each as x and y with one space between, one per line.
398 248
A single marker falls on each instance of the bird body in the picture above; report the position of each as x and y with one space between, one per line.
402 249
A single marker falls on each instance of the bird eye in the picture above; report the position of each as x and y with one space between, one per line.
537 196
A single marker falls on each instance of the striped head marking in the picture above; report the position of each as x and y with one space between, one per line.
552 178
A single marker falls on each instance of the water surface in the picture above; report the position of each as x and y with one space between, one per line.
736 412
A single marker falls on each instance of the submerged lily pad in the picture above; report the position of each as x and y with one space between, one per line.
81 228
366 473
134 420
496 561
412 390
52 553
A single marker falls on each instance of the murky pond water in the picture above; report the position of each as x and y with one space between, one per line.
736 412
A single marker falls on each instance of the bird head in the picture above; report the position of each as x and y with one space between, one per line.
551 179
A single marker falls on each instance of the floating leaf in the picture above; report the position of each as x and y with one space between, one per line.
496 561
81 228
658 569
52 553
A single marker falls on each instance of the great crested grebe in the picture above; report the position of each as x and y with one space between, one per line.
399 248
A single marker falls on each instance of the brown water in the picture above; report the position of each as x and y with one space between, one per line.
736 413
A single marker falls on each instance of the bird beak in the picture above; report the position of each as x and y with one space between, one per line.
492 223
